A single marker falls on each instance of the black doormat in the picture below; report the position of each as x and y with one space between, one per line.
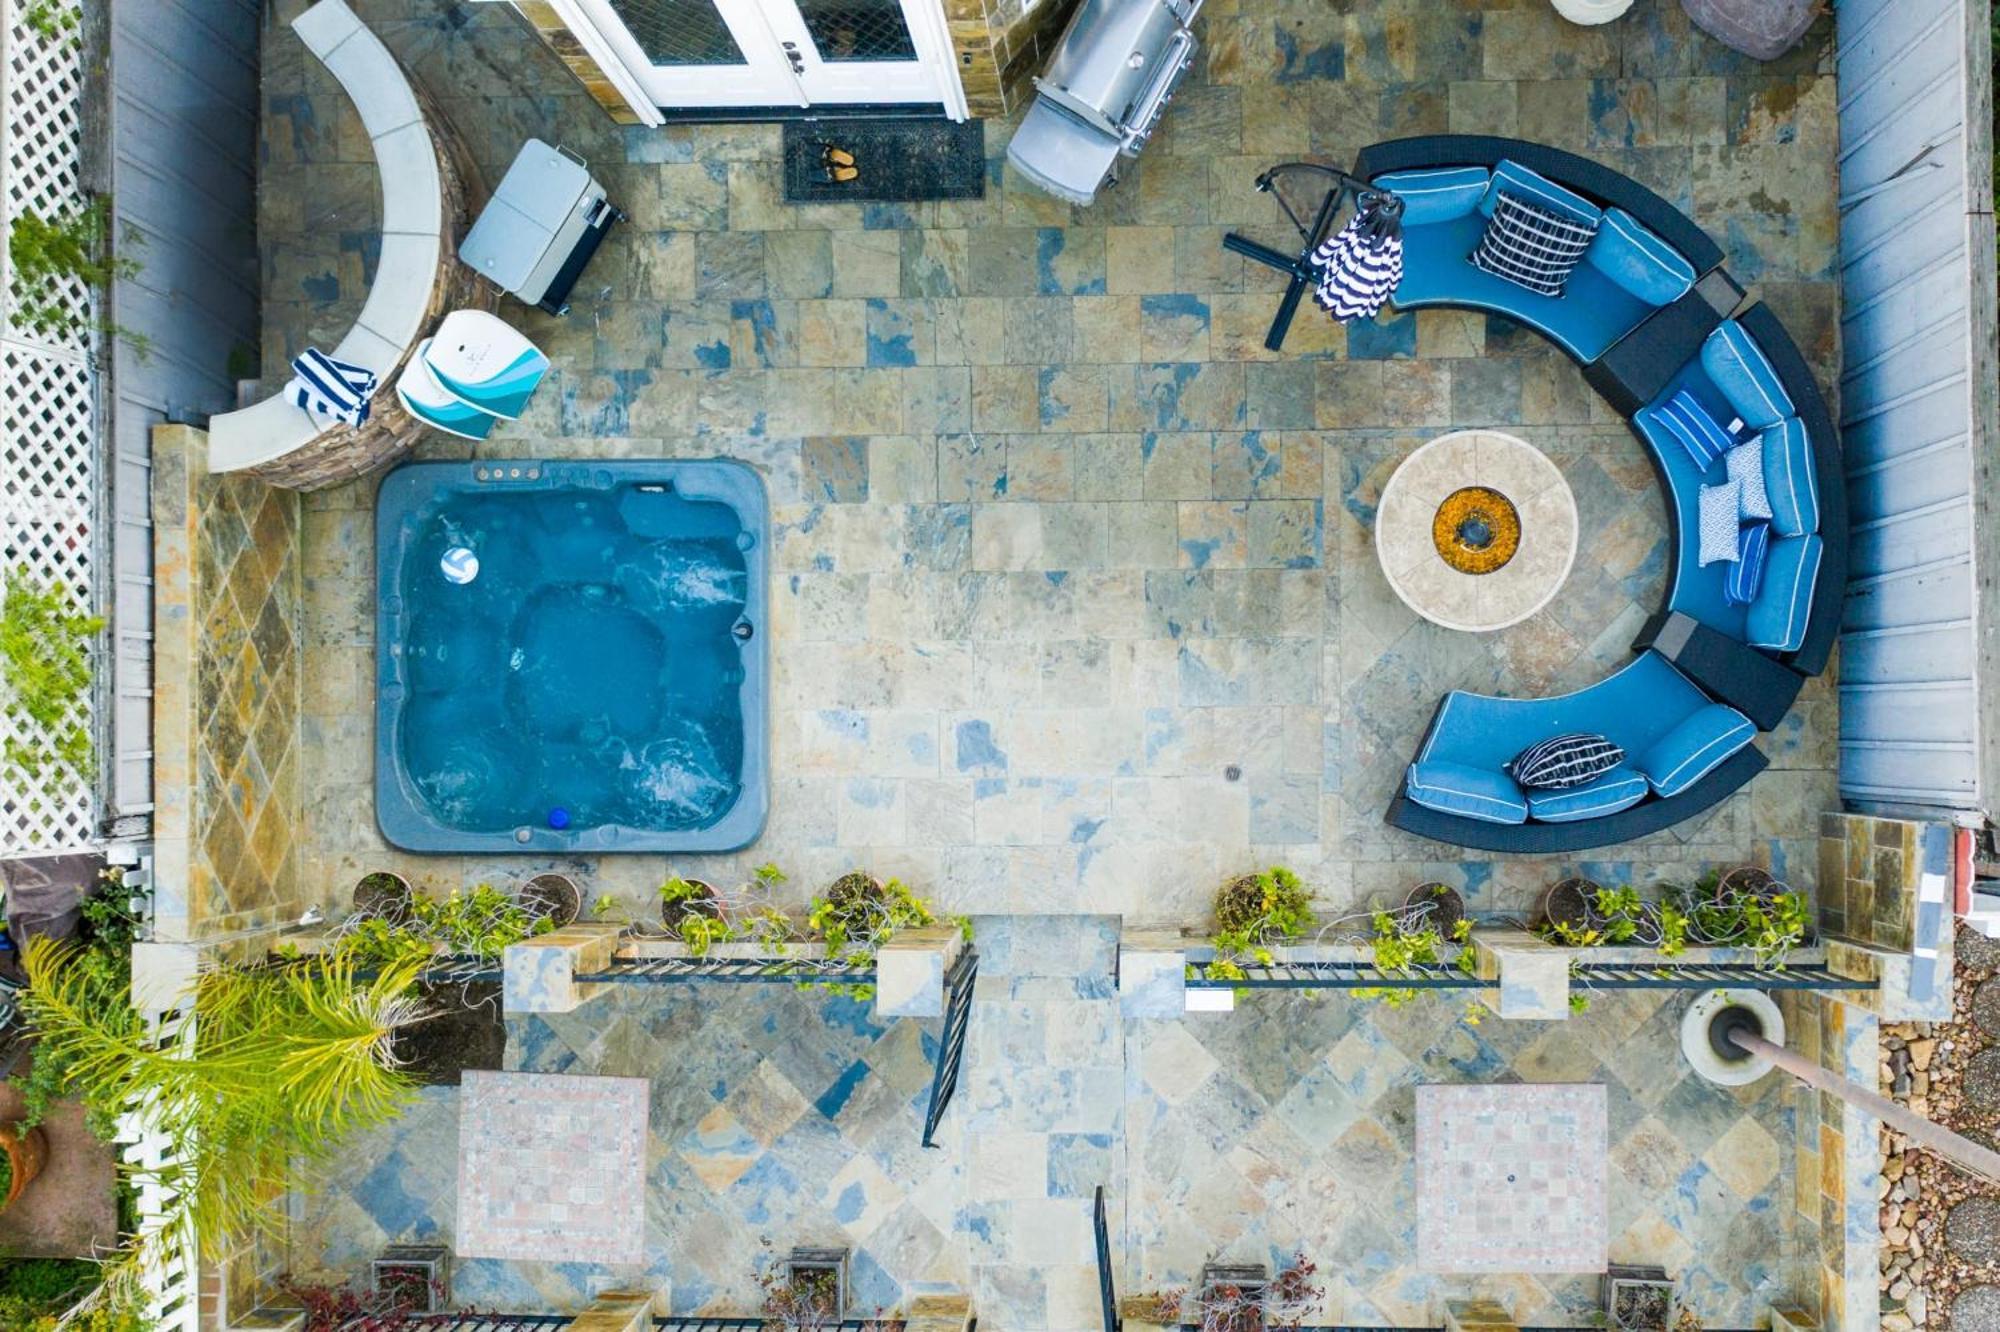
900 161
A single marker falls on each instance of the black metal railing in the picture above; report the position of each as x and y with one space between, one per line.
699 1323
1709 976
729 970
1107 1289
958 987
1328 976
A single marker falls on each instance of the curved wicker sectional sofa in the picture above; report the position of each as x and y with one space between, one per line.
1648 313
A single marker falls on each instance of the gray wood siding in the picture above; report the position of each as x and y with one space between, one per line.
1916 258
180 140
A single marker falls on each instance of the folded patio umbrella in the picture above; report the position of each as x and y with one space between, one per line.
1362 263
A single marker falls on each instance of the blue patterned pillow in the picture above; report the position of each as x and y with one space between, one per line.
1719 522
1563 761
1695 427
1746 466
1753 543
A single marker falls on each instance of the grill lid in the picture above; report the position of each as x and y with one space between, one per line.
1108 55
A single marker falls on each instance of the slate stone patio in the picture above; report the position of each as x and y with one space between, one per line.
1077 603
1077 612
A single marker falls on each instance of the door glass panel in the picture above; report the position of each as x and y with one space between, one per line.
857 29
679 32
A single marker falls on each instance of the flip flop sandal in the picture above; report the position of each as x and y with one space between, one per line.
840 175
831 157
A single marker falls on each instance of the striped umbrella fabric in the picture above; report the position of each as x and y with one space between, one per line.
1361 263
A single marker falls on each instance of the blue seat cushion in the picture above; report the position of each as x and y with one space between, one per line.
1437 194
1510 177
1738 368
1630 254
1777 619
1632 707
1474 793
1692 749
1621 788
1753 547
1592 313
1791 482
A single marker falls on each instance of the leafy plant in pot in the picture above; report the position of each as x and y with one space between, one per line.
552 897
807 1291
1256 912
1562 913
23 1153
1638 1299
1438 905
1246 1298
383 895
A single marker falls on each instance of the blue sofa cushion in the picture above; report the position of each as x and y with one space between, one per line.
1459 788
1777 619
1621 788
1790 480
1737 367
1692 749
1685 418
1630 254
1592 313
1510 177
1437 194
1753 547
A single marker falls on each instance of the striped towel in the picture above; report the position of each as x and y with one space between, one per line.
333 390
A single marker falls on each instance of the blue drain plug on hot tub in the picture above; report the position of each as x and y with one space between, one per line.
558 818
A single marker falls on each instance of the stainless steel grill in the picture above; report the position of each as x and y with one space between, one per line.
1112 75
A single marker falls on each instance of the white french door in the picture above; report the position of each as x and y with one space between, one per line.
767 53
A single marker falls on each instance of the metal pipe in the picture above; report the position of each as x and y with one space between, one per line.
1958 1150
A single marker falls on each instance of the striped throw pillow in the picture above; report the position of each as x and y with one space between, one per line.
1753 543
1564 761
1532 247
1695 427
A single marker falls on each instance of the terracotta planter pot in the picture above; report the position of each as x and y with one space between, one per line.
1748 880
704 903
1567 901
1438 905
27 1153
383 894
554 897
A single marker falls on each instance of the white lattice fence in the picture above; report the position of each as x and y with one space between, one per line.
48 395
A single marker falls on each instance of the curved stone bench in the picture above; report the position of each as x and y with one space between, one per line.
417 278
1640 338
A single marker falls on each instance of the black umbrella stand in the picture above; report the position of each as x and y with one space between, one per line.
1299 267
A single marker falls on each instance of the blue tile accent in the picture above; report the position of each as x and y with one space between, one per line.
835 1098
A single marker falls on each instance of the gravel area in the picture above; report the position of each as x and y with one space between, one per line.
1940 1228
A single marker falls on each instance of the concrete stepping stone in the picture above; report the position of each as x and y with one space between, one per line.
1976 950
1982 1080
1976 1309
1986 1007
1972 1231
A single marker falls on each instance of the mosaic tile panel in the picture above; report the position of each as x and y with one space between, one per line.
1511 1179
228 669
551 1168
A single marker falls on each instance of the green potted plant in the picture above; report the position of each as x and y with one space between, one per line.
1437 904
552 897
383 895
1564 904
23 1153
807 1291
1255 912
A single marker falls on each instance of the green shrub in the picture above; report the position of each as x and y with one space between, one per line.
45 647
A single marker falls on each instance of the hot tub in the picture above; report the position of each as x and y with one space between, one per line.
570 656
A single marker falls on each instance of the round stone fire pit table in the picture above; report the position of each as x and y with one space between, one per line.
1476 530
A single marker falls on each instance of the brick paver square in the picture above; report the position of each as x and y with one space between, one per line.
552 1167
1511 1179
